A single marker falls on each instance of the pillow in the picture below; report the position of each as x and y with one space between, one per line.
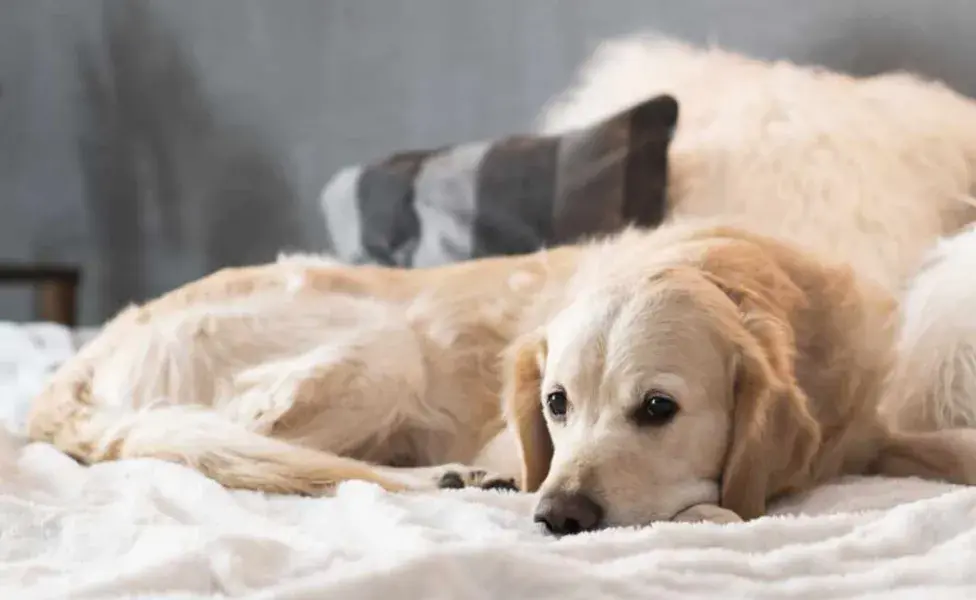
514 195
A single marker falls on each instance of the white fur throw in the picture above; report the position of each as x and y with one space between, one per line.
149 529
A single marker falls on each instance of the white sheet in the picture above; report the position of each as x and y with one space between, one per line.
147 529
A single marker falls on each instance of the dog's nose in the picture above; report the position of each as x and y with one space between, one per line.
568 513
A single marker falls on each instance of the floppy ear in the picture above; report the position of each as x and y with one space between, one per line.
523 408
774 435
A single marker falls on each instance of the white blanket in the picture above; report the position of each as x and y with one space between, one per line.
148 529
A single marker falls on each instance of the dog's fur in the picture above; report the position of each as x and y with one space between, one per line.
777 360
865 171
293 376
934 384
267 378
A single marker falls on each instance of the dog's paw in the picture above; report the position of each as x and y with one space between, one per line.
707 513
464 477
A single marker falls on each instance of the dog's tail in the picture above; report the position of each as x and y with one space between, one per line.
191 435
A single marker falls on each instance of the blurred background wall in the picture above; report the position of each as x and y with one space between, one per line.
151 141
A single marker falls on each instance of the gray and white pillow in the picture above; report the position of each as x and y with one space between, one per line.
508 196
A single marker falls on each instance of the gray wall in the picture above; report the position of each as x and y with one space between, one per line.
155 140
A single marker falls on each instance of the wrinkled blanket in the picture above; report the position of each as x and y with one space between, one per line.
148 529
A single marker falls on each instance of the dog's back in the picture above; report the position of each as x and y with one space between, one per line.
869 171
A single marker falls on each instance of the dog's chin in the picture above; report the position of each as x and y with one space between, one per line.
703 492
645 519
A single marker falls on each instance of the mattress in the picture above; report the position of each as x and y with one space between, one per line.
149 529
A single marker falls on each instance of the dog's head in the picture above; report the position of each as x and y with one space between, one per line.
652 394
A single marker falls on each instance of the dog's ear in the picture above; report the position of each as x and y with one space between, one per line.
774 435
523 408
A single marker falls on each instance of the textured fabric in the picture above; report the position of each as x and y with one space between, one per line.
29 353
144 528
508 196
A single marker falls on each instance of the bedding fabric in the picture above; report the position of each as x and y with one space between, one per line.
149 529
422 208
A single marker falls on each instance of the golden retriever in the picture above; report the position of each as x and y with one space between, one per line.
868 171
698 373
284 377
293 376
693 372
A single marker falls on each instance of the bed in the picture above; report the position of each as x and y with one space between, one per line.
150 529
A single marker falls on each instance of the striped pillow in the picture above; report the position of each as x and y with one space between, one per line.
509 196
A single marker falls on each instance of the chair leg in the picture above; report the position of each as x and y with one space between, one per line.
57 301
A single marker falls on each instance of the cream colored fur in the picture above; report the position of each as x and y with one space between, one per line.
934 386
293 376
777 361
267 377
866 171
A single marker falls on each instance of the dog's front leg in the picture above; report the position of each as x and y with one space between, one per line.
449 476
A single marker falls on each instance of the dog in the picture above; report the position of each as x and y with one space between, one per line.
934 382
870 171
293 376
694 372
699 374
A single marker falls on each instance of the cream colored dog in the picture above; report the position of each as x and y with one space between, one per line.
865 171
701 372
691 372
667 371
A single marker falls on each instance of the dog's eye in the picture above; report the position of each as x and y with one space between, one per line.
557 403
656 409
